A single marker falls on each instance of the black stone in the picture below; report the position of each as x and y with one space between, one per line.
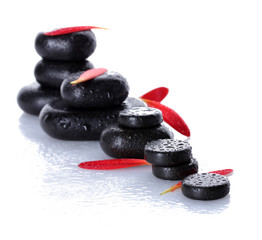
53 73
168 152
32 98
120 142
140 117
106 90
75 46
60 121
175 173
205 186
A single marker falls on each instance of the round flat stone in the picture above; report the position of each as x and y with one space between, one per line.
75 46
140 117
121 142
60 121
106 90
32 98
53 73
175 173
168 152
205 186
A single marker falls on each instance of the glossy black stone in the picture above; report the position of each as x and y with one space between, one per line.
168 152
120 142
205 186
53 73
68 47
106 90
140 117
60 121
175 173
33 97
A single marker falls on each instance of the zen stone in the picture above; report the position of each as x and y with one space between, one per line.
53 73
121 142
33 97
106 90
205 186
75 46
168 152
175 173
61 121
140 117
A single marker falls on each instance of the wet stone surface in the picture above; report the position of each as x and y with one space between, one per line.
69 47
205 186
140 117
106 90
61 121
168 152
32 98
53 73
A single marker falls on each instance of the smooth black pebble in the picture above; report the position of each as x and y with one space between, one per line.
53 73
175 173
75 46
205 186
106 90
121 142
32 98
60 121
168 152
140 117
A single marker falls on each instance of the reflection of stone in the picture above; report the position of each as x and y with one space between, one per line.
58 150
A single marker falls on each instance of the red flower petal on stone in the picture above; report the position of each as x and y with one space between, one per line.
89 74
62 31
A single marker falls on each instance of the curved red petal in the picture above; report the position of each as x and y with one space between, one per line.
157 94
62 31
170 117
110 164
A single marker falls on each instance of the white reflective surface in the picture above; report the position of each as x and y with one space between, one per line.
208 54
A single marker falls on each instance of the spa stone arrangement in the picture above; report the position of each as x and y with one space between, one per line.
75 101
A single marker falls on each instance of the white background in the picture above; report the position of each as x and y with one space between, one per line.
208 53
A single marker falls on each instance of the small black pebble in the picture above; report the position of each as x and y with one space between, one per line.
140 117
205 186
168 152
175 173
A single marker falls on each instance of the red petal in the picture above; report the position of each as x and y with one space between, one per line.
89 74
170 117
223 172
68 30
110 164
156 95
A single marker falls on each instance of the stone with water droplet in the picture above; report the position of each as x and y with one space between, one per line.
208 186
75 46
61 121
33 97
53 73
120 142
107 90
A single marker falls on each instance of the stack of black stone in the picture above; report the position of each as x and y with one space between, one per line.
171 159
73 112
135 128
61 56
